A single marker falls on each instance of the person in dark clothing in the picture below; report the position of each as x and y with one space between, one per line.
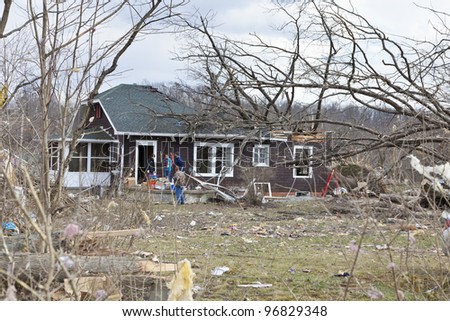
151 167
150 170
179 162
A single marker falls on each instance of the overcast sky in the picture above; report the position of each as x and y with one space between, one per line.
151 60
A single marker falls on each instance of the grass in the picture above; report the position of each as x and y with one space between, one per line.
299 248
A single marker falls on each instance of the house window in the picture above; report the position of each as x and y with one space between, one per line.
98 112
261 155
213 159
93 156
302 158
100 157
53 156
78 163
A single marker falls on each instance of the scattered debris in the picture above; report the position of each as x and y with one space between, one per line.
214 213
145 217
71 231
375 294
196 289
10 229
223 192
99 288
95 269
112 205
436 181
354 247
181 286
255 285
218 271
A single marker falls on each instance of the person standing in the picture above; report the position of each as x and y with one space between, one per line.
179 162
180 182
167 166
151 167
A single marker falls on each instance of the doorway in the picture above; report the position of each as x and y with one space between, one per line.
144 151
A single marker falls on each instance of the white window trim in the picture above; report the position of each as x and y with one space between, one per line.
230 173
258 164
89 156
152 143
310 170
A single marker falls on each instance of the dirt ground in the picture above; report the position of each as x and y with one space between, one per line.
294 249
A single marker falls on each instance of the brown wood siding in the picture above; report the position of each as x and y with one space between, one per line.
279 174
99 122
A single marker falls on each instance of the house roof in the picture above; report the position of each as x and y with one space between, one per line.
97 133
138 109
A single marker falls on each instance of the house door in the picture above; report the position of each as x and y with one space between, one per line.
144 151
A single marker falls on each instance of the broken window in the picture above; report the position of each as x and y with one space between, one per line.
261 155
213 159
302 158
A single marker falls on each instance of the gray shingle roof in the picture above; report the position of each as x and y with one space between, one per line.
96 133
138 109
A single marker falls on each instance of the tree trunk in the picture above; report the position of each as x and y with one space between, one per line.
35 266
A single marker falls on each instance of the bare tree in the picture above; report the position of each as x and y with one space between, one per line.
332 55
57 54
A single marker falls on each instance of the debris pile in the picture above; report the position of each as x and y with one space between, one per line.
85 267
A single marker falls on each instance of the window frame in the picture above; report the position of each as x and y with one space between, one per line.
92 160
256 157
80 158
89 159
54 151
213 160
310 169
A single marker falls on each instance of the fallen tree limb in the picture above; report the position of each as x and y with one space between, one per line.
31 243
37 266
27 243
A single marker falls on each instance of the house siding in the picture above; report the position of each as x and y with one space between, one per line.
278 173
97 123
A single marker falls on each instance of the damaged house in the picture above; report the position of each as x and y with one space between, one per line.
130 123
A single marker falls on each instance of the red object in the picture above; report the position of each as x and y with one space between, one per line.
327 184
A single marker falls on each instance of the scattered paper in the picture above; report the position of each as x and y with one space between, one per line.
218 271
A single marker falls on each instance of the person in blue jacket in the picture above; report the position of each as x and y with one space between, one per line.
179 162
